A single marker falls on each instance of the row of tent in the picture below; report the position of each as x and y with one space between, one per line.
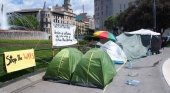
138 43
93 69
96 67
133 45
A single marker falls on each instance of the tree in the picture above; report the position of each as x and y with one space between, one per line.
27 21
140 15
111 23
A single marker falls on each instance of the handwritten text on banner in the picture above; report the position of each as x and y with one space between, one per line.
63 35
18 60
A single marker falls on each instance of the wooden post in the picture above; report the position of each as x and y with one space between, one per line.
33 68
53 52
3 65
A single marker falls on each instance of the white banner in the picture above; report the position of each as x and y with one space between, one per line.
63 35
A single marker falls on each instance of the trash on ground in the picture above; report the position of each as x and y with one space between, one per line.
119 62
133 74
130 65
133 82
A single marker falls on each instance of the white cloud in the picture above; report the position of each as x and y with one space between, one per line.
77 5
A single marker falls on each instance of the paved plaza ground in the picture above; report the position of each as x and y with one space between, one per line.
147 70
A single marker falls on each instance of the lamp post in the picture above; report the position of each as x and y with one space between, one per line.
154 15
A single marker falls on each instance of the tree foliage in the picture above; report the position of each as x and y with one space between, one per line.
28 21
140 15
110 22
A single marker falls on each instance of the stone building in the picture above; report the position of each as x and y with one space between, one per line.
57 14
80 28
88 22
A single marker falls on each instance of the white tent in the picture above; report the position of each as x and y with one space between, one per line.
143 32
115 52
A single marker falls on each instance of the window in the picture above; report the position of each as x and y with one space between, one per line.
49 30
102 2
106 10
95 3
46 25
46 20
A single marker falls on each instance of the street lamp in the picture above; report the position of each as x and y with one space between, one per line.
154 15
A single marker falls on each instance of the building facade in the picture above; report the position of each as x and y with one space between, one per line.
80 30
105 8
56 14
88 22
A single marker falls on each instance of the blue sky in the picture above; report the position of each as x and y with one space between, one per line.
12 5
17 1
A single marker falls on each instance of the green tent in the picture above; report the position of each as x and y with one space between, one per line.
95 69
63 65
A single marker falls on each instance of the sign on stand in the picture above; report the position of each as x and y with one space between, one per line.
18 60
63 35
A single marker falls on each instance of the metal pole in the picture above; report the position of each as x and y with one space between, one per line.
154 15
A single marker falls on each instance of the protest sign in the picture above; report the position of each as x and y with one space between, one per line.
18 60
63 35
